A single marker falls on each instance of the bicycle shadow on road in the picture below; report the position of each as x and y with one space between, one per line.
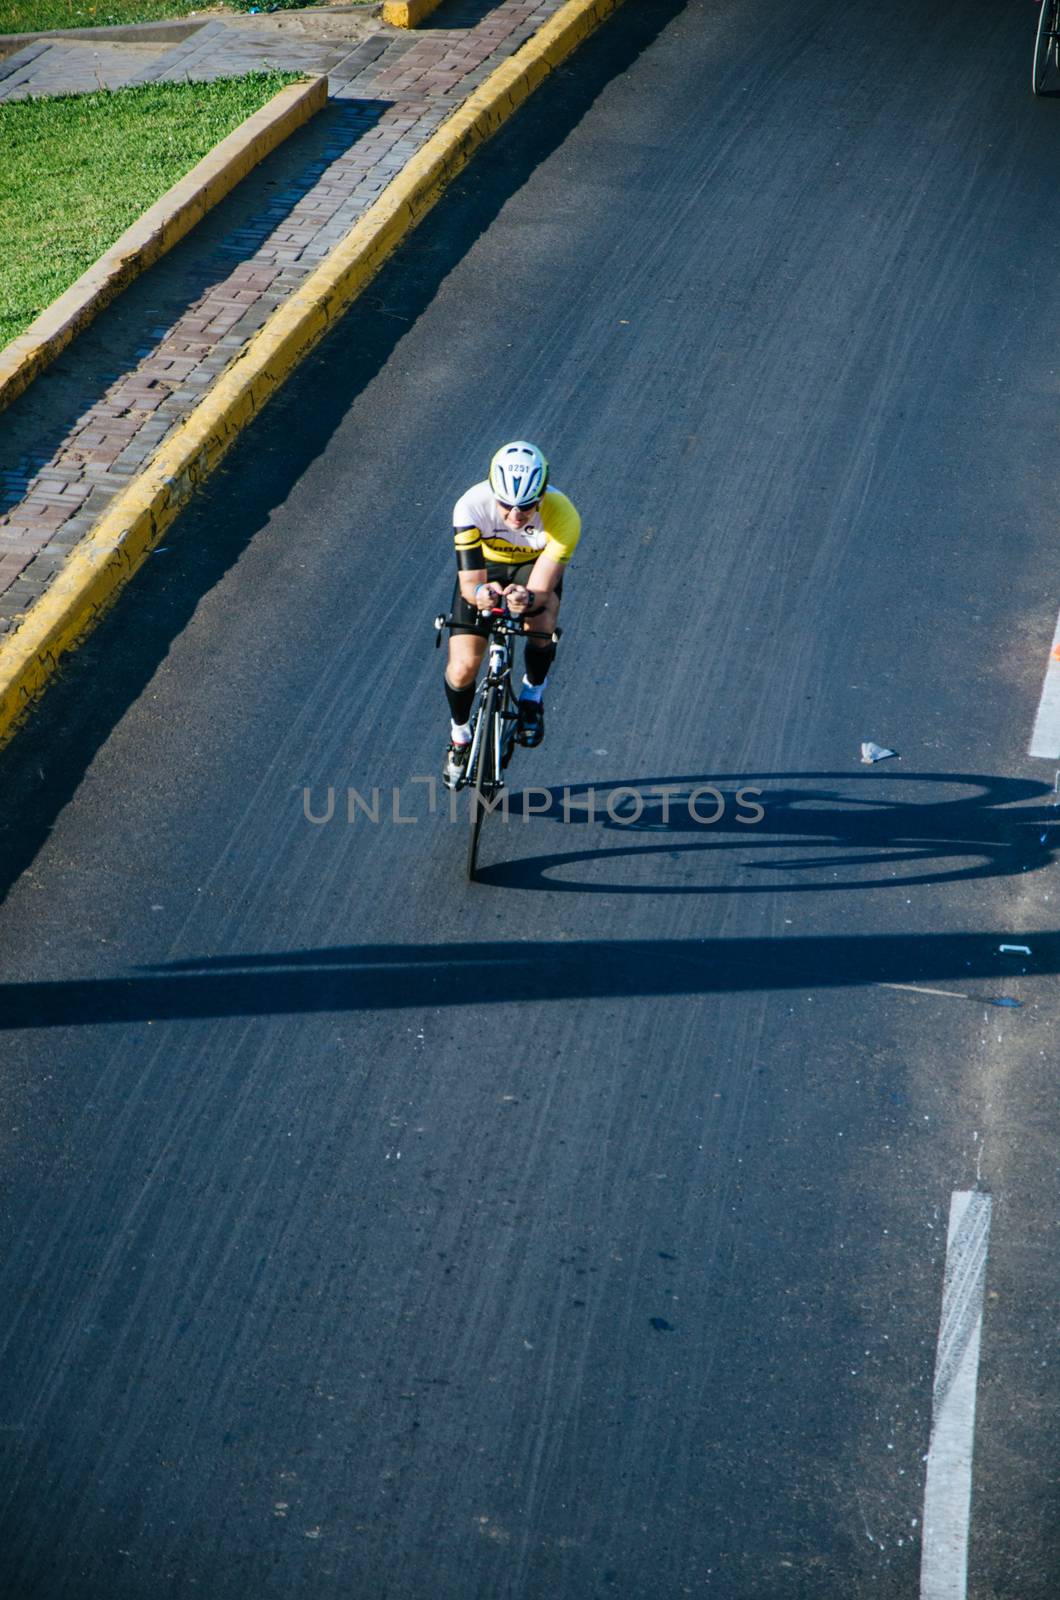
795 832
970 826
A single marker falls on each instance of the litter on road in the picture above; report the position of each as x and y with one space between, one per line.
1015 949
874 752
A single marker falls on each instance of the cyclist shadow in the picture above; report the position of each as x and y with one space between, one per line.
796 831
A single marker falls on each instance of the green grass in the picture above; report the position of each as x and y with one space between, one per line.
76 170
40 16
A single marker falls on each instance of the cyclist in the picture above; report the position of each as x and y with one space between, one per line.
514 535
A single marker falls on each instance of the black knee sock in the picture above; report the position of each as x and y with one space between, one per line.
537 661
460 702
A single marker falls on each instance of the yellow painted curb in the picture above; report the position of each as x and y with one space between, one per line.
157 231
408 13
102 563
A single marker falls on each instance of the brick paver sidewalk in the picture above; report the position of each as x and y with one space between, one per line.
310 41
77 435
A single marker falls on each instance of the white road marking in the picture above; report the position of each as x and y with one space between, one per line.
919 988
1045 740
948 1489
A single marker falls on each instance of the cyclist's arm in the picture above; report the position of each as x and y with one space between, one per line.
544 575
471 569
563 527
469 583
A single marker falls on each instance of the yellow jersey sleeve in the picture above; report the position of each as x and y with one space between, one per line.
561 523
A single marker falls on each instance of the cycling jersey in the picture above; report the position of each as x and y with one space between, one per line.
482 536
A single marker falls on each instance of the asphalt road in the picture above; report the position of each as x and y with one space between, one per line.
580 1232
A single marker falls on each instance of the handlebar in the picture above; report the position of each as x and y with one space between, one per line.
507 623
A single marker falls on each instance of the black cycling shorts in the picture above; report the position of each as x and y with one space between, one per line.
467 618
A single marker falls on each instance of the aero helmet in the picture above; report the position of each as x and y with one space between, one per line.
518 473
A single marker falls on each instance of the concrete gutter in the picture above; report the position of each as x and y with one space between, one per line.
104 561
157 231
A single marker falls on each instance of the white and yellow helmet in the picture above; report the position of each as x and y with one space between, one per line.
518 473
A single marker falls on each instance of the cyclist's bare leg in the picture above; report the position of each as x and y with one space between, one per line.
465 657
466 651
537 660
544 620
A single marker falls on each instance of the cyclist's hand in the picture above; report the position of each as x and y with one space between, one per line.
487 595
518 599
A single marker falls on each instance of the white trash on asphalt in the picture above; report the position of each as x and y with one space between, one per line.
874 752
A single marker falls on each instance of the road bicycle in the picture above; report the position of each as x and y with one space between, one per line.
1046 44
494 718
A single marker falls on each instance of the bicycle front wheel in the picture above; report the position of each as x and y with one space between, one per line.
1046 44
508 722
483 781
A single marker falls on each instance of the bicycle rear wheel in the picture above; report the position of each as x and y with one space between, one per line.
483 783
1046 44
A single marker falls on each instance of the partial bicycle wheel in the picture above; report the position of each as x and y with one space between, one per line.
482 783
509 723
1046 44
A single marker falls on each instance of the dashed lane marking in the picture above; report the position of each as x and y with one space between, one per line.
948 1487
1045 740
